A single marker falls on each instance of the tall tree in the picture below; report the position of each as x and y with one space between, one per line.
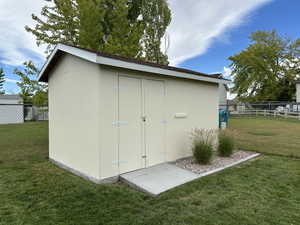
32 91
2 81
122 34
155 28
267 69
132 28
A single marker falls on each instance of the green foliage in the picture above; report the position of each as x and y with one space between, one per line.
131 28
267 69
226 144
155 29
122 36
2 81
202 152
203 145
32 91
86 23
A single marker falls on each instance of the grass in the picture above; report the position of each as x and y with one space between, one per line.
273 136
34 191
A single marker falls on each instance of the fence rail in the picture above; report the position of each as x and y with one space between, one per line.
272 113
35 112
278 109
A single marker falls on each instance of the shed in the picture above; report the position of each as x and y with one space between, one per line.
109 115
11 109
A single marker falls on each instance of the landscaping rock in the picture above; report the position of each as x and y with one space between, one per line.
216 163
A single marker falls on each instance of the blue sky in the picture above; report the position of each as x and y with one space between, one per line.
282 15
203 33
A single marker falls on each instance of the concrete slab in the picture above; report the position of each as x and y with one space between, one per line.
157 179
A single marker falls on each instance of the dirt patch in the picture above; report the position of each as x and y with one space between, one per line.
216 163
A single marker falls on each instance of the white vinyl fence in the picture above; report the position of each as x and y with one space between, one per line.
273 113
273 109
35 113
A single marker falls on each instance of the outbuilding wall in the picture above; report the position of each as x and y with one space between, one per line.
11 109
83 111
199 100
74 115
11 114
297 92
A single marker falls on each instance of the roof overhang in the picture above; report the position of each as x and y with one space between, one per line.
94 57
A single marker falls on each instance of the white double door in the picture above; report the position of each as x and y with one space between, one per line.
141 123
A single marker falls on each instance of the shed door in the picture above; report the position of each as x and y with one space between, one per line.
130 124
154 95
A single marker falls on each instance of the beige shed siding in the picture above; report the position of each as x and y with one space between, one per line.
74 115
198 100
83 104
108 132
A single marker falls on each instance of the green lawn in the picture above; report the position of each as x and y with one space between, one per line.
274 136
264 191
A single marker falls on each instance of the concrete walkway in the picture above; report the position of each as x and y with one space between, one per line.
157 179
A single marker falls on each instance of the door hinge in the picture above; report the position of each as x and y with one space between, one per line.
144 156
144 118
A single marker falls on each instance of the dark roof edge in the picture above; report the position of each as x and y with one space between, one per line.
129 60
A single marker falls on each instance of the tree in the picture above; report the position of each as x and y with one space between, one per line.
155 28
122 35
132 28
32 91
267 69
2 81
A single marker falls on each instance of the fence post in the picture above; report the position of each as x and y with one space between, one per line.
265 112
285 113
299 115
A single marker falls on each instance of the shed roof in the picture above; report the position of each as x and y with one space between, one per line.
11 97
123 62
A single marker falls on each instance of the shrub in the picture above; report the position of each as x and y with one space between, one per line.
203 145
202 152
226 144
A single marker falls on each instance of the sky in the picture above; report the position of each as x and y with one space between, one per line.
203 33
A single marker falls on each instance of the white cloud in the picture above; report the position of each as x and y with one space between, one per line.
14 40
227 72
8 80
196 23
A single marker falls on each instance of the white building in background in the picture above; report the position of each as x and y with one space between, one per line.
298 90
11 109
223 89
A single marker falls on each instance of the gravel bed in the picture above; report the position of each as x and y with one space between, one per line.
217 162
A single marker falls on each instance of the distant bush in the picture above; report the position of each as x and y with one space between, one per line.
226 144
203 145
